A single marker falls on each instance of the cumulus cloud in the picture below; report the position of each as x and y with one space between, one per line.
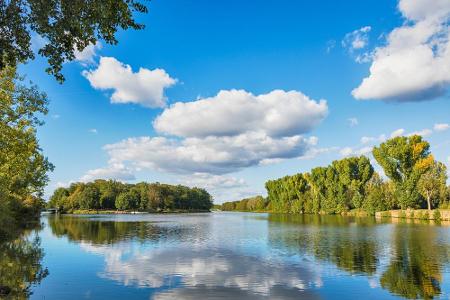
88 54
222 134
115 171
278 113
213 154
145 87
441 126
414 64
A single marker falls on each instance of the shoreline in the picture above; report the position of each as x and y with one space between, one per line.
417 214
126 212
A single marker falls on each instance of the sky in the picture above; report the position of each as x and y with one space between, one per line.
226 95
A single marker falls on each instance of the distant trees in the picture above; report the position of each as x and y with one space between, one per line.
415 180
109 194
257 203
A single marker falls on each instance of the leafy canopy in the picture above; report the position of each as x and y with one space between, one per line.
23 167
64 25
404 160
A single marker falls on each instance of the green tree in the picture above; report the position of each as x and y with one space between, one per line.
90 197
63 25
432 184
354 173
404 160
23 167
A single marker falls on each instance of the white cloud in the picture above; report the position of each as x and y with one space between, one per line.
234 112
414 65
88 54
113 171
423 132
213 154
347 151
356 42
357 39
353 122
222 188
93 130
55 116
370 139
398 132
313 152
441 127
145 87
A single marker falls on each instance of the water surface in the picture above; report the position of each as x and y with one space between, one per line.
232 255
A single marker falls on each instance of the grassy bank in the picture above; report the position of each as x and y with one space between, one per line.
421 214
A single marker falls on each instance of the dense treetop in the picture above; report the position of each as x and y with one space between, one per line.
110 194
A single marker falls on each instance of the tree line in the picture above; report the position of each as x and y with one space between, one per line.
414 180
114 195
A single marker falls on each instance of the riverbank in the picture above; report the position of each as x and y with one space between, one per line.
421 214
129 212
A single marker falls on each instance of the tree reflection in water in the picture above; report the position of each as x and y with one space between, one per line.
415 269
21 264
417 258
99 231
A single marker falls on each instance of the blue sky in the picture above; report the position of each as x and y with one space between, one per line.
164 118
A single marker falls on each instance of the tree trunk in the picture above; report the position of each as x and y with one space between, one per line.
429 202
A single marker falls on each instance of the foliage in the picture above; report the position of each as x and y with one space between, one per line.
23 167
334 189
64 26
352 183
432 184
257 203
110 194
404 160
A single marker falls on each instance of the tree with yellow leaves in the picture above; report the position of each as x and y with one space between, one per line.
404 160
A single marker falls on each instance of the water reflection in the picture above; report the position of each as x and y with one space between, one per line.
417 253
184 266
20 264
349 243
101 230
245 256
415 270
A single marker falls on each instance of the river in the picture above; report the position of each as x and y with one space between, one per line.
224 255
